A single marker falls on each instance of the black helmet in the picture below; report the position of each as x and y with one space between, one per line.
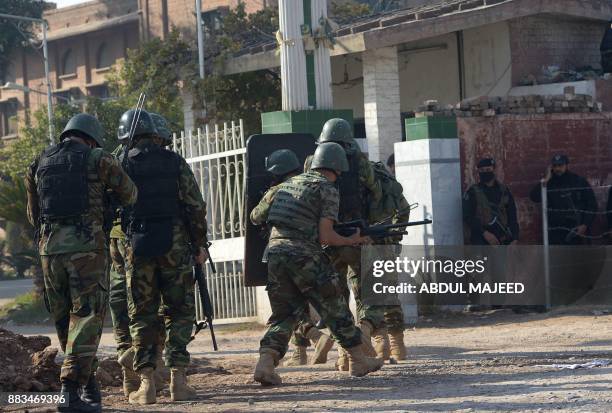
145 125
281 162
330 155
86 124
162 127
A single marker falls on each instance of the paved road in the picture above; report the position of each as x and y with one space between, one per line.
10 289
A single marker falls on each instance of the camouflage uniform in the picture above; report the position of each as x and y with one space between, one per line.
299 272
118 288
75 263
169 276
347 260
259 216
393 314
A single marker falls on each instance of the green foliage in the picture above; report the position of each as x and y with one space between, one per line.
14 33
16 156
26 308
108 113
13 202
345 11
241 96
240 29
156 67
244 95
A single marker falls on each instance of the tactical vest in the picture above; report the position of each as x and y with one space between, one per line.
487 210
155 171
296 204
62 183
351 199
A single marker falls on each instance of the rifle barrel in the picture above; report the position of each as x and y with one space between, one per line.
408 224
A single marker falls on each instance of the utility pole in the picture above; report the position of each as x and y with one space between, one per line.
200 37
46 61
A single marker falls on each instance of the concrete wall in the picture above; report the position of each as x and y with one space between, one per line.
523 146
348 95
429 73
550 40
487 60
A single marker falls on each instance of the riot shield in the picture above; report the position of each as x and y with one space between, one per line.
258 180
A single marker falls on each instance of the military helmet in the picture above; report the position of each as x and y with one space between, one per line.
87 124
330 155
162 127
281 162
145 125
336 130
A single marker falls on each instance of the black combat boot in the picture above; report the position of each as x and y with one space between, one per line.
70 390
90 393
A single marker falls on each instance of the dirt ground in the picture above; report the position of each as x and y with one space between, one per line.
488 362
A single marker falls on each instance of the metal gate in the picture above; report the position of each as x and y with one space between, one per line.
217 158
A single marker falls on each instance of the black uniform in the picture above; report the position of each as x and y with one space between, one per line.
496 214
571 202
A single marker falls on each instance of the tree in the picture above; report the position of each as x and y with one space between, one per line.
156 68
15 157
243 95
14 33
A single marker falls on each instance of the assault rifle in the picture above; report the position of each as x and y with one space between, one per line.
207 308
376 232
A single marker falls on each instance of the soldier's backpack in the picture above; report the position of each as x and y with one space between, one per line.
392 193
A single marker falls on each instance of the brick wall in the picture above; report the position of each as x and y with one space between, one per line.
549 40
88 12
523 146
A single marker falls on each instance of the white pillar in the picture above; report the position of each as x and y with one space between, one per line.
293 58
381 101
322 61
429 171
188 113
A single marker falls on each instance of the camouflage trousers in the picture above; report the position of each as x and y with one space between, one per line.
76 296
347 261
168 280
118 299
295 281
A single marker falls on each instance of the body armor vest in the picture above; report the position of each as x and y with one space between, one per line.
487 210
296 204
155 171
351 199
62 181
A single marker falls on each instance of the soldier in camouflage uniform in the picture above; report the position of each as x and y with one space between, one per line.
392 208
358 189
118 285
301 217
66 189
165 229
284 164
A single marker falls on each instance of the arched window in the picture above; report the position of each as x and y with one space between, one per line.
68 63
103 57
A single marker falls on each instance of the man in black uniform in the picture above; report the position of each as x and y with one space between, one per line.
489 209
490 213
571 203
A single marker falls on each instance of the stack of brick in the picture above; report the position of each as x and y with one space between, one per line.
433 108
569 102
